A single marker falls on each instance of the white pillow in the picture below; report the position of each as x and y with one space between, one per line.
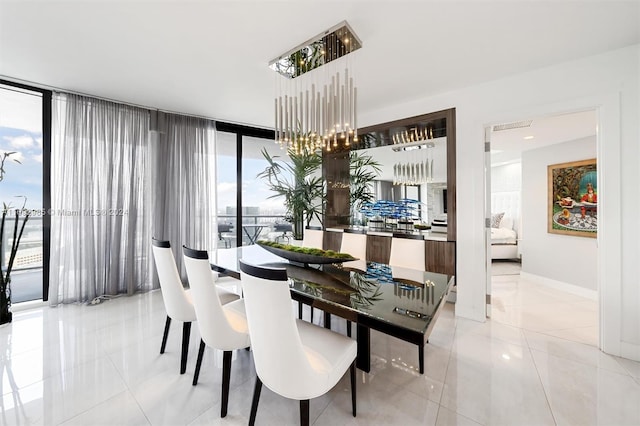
506 222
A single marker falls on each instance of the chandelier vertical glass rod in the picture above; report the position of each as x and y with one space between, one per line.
325 119
323 115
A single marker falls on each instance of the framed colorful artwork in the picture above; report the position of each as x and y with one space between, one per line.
573 198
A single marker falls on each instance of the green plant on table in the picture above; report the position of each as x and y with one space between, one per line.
306 250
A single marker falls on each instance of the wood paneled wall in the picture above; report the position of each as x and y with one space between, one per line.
440 256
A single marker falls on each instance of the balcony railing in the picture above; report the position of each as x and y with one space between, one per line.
29 255
257 219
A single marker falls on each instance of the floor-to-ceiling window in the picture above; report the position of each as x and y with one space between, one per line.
245 211
226 188
24 145
260 212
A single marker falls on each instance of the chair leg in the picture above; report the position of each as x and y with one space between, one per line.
226 378
254 403
348 328
304 412
421 358
186 332
353 388
167 324
198 363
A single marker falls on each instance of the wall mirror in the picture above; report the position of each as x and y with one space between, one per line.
417 157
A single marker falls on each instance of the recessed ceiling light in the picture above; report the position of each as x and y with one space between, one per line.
528 137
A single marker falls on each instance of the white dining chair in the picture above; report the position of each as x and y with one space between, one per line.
293 358
354 243
177 300
408 251
222 327
313 237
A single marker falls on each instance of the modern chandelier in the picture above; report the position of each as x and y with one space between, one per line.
317 110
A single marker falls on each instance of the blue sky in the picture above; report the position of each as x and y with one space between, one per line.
22 179
255 191
21 131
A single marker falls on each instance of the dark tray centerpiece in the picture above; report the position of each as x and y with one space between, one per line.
305 255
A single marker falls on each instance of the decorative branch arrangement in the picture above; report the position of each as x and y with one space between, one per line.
18 229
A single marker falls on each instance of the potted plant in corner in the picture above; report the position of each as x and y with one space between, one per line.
5 271
299 183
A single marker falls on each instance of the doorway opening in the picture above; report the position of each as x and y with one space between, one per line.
541 282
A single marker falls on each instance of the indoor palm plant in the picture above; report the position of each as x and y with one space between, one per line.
299 183
363 170
5 271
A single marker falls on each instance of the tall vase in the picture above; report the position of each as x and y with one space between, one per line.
298 225
6 315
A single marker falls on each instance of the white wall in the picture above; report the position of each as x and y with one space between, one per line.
608 82
565 258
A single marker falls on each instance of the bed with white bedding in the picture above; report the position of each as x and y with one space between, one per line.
505 225
504 243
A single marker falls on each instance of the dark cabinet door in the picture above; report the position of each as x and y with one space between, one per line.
441 257
378 248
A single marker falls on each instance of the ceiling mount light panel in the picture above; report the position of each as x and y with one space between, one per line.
327 46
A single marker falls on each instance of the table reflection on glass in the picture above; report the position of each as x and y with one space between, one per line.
400 302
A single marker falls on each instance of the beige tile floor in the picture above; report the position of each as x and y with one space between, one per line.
533 363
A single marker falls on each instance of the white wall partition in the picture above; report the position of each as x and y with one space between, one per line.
607 82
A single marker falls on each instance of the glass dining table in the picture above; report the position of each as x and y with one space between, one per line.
400 302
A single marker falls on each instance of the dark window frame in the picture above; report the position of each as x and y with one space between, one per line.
240 131
46 179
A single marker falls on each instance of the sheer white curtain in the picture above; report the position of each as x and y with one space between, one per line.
101 221
183 182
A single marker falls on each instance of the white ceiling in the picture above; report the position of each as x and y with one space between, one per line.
507 145
544 131
210 58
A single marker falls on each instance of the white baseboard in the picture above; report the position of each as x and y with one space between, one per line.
23 306
560 285
630 351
